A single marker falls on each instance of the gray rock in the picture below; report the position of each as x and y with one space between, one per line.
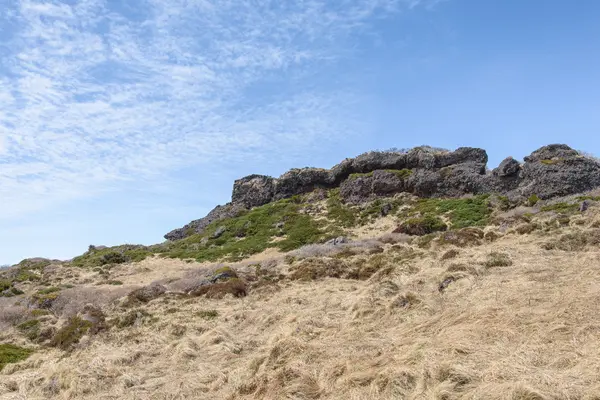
219 232
385 210
558 170
584 206
508 167
300 181
338 241
254 190
229 210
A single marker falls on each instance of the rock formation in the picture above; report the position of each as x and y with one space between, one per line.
551 171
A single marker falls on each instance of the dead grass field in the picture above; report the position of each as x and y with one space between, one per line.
467 327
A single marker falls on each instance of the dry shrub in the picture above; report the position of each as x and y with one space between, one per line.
406 300
452 253
312 269
71 333
576 241
526 229
496 259
72 301
462 237
331 250
11 315
218 290
492 236
394 238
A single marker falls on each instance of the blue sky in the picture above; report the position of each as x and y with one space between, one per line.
121 122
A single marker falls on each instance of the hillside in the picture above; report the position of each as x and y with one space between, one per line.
399 275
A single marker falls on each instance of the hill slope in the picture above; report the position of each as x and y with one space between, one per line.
312 297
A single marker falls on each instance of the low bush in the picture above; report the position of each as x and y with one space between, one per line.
420 226
12 354
31 329
70 334
496 259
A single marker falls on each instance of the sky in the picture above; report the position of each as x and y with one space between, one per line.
120 121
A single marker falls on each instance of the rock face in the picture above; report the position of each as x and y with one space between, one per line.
554 170
229 210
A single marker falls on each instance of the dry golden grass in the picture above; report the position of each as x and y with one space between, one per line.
525 331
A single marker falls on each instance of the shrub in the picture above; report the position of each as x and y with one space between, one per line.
495 259
337 211
561 207
462 238
70 334
207 314
234 286
461 213
420 226
532 200
453 253
30 328
12 354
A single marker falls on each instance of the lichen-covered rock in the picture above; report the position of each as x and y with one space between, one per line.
550 171
558 170
254 190
299 181
508 167
229 210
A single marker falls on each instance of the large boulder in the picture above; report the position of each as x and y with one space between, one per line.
508 167
253 190
558 170
303 180
198 226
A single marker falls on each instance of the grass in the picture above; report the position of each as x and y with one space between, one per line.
111 255
252 232
70 334
552 162
207 314
561 208
12 354
420 226
496 259
31 329
532 200
338 212
461 213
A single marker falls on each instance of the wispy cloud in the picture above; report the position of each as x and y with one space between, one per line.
97 93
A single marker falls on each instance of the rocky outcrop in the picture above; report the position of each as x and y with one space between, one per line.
554 170
229 210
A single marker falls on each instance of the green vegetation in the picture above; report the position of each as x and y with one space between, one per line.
71 333
423 225
12 354
39 312
111 255
552 161
342 214
592 198
533 200
561 208
253 232
495 259
30 328
207 314
461 213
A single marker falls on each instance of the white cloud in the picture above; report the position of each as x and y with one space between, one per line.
95 95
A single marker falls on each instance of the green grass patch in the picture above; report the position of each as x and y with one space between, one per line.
421 226
552 162
592 198
337 211
252 232
461 213
561 208
207 314
71 333
111 255
532 200
31 329
12 354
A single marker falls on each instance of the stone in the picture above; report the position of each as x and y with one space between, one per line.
198 226
508 167
219 232
338 240
253 190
